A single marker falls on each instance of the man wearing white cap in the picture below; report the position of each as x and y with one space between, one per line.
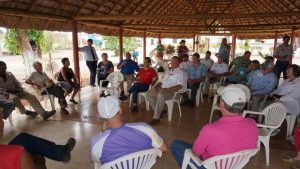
263 82
121 139
231 133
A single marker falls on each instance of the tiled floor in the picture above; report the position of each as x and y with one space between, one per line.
83 122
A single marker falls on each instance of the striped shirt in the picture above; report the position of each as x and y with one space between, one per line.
129 138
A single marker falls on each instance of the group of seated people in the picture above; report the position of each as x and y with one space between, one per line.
12 92
120 138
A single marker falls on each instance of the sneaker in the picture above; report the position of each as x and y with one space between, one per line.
48 114
154 122
92 85
134 109
31 113
73 101
64 110
69 147
291 139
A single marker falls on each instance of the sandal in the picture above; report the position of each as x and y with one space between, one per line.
73 101
291 160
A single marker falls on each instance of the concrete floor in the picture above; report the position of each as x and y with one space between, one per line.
83 122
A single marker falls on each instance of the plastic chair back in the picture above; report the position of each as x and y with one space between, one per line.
274 114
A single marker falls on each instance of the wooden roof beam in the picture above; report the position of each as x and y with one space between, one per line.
82 6
184 17
252 26
19 13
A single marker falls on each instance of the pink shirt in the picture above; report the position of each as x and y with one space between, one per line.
225 136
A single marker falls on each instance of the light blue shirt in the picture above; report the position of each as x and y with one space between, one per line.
263 83
195 72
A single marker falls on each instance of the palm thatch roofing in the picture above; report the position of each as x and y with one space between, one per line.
164 18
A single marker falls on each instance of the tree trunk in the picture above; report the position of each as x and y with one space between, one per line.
29 57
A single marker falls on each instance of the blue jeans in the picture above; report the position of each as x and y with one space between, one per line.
135 89
38 146
281 66
177 148
7 106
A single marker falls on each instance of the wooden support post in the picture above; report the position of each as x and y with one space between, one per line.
275 42
75 50
233 46
194 36
208 43
197 45
159 37
121 44
292 43
144 44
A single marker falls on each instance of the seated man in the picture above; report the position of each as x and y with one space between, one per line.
238 68
185 64
263 82
217 70
196 74
231 133
252 67
104 68
6 105
175 79
41 81
127 67
68 80
146 76
12 86
120 139
26 151
207 61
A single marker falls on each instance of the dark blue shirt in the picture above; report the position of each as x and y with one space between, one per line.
129 66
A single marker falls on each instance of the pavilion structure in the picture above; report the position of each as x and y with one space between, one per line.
156 18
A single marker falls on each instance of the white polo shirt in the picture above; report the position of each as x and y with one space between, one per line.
290 95
284 50
175 77
39 78
219 68
208 63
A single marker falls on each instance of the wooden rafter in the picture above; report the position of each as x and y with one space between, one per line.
9 12
99 6
222 13
81 7
32 5
192 5
60 6
184 17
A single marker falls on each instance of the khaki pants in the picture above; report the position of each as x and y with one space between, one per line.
128 78
256 100
157 101
32 100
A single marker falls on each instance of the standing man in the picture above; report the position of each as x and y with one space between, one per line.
91 59
283 54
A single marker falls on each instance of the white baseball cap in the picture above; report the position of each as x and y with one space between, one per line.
233 94
108 106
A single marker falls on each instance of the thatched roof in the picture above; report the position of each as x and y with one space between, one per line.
167 18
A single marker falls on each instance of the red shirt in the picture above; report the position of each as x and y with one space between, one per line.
146 75
10 156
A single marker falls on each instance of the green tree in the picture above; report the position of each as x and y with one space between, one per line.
112 43
11 42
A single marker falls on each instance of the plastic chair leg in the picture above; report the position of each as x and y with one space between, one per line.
51 98
211 114
265 141
179 108
170 109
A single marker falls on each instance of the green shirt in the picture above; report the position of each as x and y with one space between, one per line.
238 63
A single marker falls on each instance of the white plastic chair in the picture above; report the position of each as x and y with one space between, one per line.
45 98
235 160
114 79
217 84
199 95
175 99
139 160
274 114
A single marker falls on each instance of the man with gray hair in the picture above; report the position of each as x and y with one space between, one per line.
229 134
120 139
40 81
